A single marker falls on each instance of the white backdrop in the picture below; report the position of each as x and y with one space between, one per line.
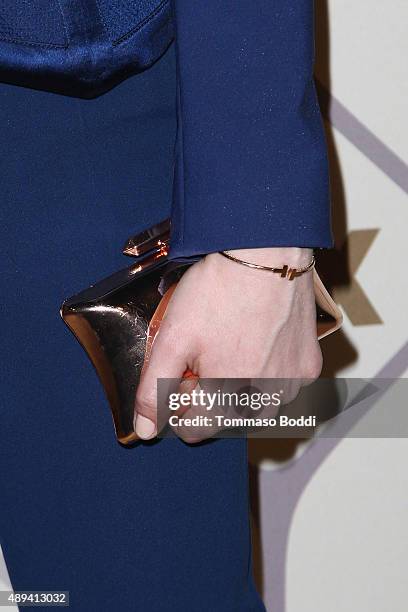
330 524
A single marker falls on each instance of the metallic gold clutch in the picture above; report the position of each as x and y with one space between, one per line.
116 319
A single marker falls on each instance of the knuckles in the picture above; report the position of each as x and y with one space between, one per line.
312 367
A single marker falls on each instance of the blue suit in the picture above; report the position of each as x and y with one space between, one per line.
83 165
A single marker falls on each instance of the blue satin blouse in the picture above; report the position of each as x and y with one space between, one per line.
80 47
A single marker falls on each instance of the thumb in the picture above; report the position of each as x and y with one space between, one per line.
165 361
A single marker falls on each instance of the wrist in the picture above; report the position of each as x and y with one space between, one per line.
222 265
295 257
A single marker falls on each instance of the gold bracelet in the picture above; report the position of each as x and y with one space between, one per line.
285 271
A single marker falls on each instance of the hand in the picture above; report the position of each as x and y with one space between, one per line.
225 320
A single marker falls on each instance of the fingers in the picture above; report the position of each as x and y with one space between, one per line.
167 360
211 417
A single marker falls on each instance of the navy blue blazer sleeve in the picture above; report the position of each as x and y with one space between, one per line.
251 162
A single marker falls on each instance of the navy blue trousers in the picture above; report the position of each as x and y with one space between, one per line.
162 526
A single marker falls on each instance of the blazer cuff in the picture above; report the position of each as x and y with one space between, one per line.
251 165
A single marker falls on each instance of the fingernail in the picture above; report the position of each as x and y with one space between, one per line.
145 428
